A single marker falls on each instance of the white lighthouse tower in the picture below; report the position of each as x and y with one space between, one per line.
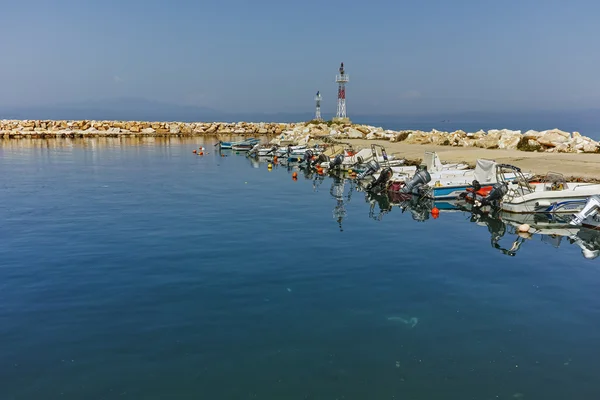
341 79
318 107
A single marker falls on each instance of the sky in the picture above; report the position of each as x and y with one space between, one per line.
273 55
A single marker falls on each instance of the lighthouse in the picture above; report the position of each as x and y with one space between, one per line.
318 107
341 79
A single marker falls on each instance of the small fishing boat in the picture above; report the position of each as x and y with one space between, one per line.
552 195
242 147
263 150
451 183
229 145
448 181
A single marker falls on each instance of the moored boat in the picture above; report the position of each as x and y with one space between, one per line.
553 194
229 145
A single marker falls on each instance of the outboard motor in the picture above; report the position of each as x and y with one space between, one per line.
308 155
591 208
337 161
421 178
496 194
380 182
320 160
372 167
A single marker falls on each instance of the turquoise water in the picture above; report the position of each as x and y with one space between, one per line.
134 269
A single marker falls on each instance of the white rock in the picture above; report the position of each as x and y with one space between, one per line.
553 137
509 139
354 134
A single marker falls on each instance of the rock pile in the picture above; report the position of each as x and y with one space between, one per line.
45 128
553 140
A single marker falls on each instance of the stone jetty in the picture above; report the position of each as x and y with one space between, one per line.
553 140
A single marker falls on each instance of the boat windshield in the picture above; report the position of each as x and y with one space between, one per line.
554 181
514 178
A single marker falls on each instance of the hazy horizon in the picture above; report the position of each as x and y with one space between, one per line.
587 122
242 57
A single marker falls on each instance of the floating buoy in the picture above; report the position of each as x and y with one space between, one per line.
294 175
435 212
194 151
270 166
524 228
201 153
201 148
294 178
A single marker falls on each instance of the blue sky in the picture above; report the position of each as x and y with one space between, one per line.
264 55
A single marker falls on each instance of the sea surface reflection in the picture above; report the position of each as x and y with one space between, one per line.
137 269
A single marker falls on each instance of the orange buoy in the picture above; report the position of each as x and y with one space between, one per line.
294 175
294 178
201 153
194 151
435 212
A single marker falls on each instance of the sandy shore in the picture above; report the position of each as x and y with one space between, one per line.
569 164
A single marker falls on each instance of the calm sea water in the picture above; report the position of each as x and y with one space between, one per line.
135 269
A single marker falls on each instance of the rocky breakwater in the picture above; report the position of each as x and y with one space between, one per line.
83 128
553 140
550 141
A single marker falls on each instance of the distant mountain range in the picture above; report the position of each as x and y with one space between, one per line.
587 121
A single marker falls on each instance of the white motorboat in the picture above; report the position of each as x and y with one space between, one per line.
552 195
448 181
263 150
345 158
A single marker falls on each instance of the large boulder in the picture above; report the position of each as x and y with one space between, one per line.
488 141
364 129
591 147
509 139
531 134
553 138
354 134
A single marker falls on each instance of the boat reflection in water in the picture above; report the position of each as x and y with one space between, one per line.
503 227
553 229
418 206
507 233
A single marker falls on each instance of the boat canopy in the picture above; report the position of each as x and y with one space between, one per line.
485 171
